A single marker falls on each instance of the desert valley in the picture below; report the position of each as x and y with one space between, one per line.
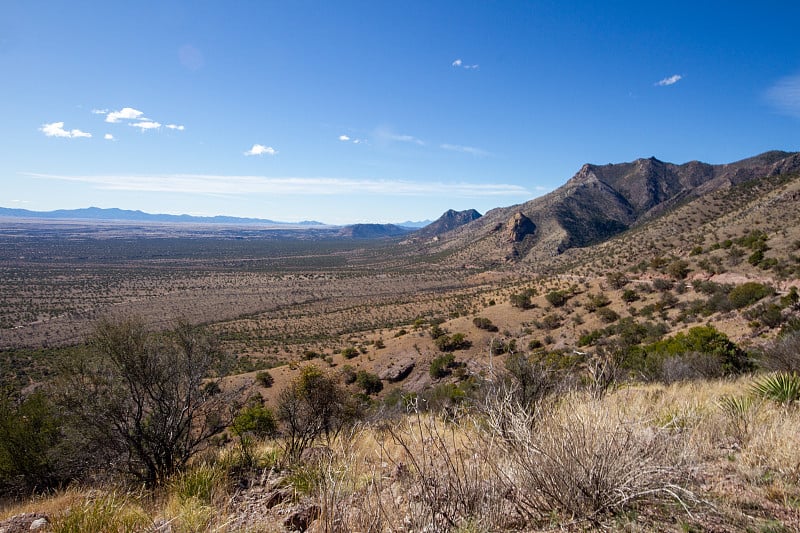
621 353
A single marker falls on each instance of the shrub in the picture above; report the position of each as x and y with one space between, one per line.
311 406
629 295
596 301
584 462
662 284
30 436
349 352
257 420
783 355
265 379
617 280
484 323
557 298
440 366
748 293
678 269
450 343
142 400
607 315
698 340
769 315
551 321
521 300
370 383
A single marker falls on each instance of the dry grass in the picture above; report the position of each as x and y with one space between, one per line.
648 457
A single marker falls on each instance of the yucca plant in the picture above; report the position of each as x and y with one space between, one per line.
738 410
781 387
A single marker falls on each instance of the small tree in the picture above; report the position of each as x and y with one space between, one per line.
312 405
143 399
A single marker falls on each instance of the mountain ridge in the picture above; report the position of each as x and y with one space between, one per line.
112 214
599 202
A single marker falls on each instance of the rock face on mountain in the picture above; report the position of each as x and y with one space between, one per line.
518 227
450 220
601 201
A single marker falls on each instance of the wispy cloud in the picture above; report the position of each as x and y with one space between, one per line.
56 129
784 95
344 138
464 149
672 80
459 63
244 185
126 113
178 127
260 149
146 125
108 137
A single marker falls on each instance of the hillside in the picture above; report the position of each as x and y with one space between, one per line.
449 221
599 202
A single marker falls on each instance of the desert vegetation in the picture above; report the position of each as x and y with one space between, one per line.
255 382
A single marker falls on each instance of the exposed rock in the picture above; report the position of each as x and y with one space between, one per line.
301 518
518 227
23 522
39 523
398 371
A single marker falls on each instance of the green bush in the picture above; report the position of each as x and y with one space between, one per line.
370 383
701 340
265 379
484 323
748 293
557 298
451 343
349 352
256 419
30 433
440 366
607 315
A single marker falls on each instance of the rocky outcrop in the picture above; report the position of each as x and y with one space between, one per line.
518 227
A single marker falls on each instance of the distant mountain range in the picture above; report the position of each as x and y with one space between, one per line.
96 213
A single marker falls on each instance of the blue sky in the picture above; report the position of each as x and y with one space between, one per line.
376 111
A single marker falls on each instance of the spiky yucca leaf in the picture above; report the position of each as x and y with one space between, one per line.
781 387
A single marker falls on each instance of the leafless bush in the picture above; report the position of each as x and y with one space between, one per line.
584 461
445 476
784 354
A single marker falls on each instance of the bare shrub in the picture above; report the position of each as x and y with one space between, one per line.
585 461
142 400
784 354
445 477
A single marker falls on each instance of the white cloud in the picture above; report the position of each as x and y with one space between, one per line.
126 113
344 138
108 137
672 80
401 138
56 129
460 63
99 111
245 185
784 95
179 127
146 125
464 149
260 149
